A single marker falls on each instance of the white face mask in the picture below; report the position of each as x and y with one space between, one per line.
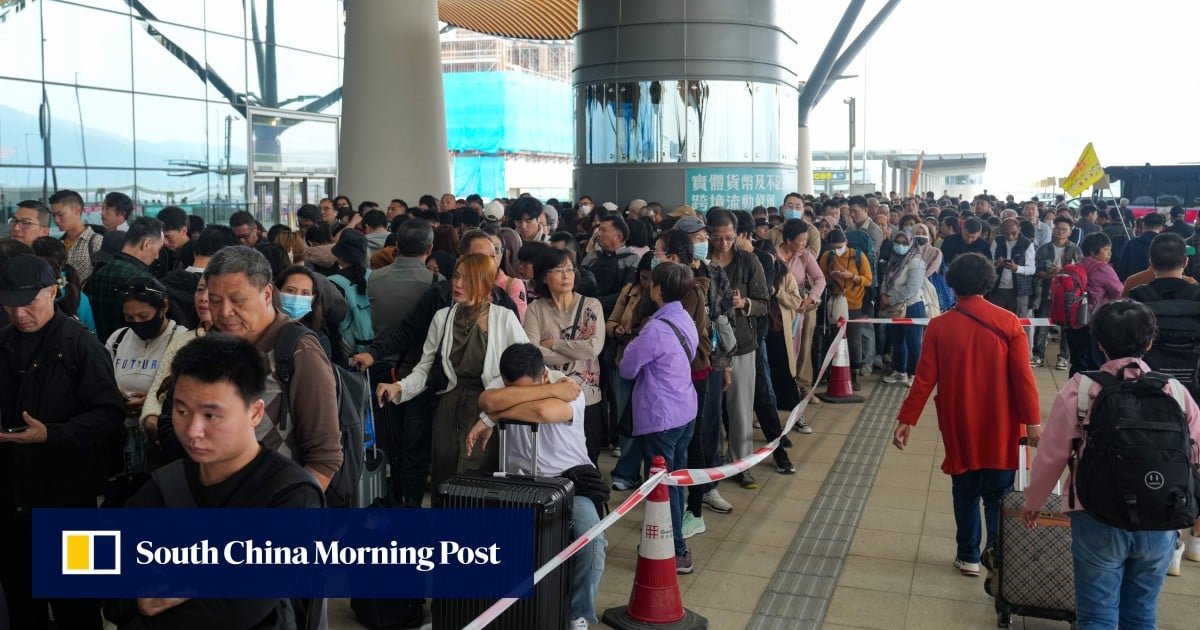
585 209
839 251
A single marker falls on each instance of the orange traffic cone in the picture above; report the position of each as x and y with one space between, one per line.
655 601
841 387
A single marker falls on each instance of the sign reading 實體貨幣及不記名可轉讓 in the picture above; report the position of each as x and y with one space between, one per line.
282 553
738 188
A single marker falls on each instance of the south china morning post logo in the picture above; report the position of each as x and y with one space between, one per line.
282 553
91 552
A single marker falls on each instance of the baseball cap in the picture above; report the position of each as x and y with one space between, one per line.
494 210
22 277
689 225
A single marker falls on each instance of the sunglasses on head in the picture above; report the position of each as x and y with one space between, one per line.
139 290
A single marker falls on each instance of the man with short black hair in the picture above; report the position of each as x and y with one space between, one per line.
175 227
143 242
1087 220
1179 224
376 224
525 214
396 208
66 206
181 283
395 291
1051 258
529 392
58 384
860 219
613 264
966 241
241 299
220 376
1136 255
307 216
30 222
115 212
245 228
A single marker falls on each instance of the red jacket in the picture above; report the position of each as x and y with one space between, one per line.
986 392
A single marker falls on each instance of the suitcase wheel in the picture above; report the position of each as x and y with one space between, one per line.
1003 619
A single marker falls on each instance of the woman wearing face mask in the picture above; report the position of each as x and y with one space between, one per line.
901 297
137 351
153 407
300 301
848 274
934 267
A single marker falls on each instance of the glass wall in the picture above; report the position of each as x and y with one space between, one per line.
152 98
688 121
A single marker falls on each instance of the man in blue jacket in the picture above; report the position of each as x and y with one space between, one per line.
1136 255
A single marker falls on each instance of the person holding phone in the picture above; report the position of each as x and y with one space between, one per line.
61 413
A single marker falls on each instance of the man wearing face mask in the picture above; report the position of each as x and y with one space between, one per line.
1015 262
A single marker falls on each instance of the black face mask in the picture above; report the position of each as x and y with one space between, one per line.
149 329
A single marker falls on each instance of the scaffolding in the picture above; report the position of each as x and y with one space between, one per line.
468 51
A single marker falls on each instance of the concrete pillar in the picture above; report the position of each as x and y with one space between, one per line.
804 176
393 134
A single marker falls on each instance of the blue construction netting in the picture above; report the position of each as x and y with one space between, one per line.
479 174
494 112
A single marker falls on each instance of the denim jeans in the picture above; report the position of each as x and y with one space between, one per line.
587 568
672 444
968 489
906 341
1118 573
629 464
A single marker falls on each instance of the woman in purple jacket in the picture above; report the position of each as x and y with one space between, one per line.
658 360
1102 288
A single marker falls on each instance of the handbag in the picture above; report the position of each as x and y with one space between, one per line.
891 311
438 379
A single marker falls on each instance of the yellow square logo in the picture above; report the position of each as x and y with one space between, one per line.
91 553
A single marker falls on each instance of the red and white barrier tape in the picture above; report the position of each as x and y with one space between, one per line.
923 321
501 605
684 477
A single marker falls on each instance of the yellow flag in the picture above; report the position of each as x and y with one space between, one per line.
1087 171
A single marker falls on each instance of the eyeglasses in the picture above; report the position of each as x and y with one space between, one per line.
25 224
562 271
722 239
139 291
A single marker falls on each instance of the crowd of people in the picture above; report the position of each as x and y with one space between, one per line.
631 331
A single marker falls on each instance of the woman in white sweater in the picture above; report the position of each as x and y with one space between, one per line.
468 338
569 330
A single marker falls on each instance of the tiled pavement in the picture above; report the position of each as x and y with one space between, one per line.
897 572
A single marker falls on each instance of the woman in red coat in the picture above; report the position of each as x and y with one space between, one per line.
977 355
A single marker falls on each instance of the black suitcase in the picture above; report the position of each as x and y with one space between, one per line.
1035 571
551 499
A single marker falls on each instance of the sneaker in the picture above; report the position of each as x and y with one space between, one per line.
785 468
1191 547
908 379
621 485
865 370
683 564
716 502
895 377
1062 364
969 569
802 427
579 624
1176 559
692 525
748 481
757 425
1037 362
615 452
878 363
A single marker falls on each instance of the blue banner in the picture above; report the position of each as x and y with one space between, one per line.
283 553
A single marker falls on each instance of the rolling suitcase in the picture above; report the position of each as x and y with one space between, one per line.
373 483
551 500
1036 577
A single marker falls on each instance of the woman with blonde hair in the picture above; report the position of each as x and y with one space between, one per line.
293 244
460 358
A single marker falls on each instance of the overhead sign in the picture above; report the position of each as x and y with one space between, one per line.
829 176
738 188
1087 171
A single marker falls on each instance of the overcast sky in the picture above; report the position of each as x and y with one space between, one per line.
1029 82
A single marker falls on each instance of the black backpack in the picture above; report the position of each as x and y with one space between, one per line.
1138 471
1176 349
353 397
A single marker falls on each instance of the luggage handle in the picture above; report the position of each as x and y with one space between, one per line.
1023 470
502 425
